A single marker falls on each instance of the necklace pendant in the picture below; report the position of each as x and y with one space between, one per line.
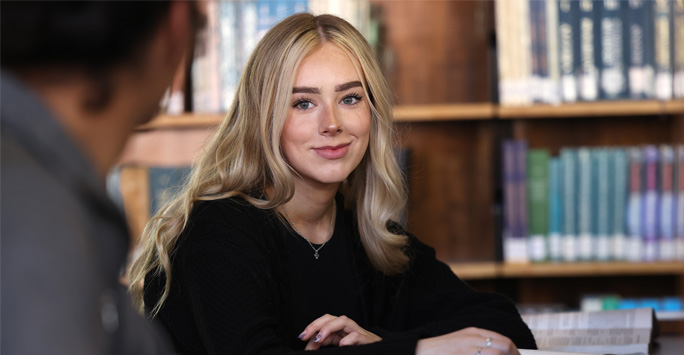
316 255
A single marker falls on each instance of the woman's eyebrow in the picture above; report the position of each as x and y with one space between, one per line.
347 86
338 88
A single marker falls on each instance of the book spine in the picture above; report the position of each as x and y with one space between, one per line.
552 90
229 69
206 91
666 224
521 221
511 246
504 52
538 59
555 209
678 48
247 29
588 50
639 58
585 208
634 225
164 184
538 202
620 187
523 63
568 48
603 201
679 172
613 73
663 64
651 207
570 248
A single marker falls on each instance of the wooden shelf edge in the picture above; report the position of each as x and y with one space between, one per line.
591 269
589 109
446 112
475 270
187 120
492 270
468 112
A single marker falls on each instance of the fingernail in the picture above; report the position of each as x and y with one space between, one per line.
302 335
317 338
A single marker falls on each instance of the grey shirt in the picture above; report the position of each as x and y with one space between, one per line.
62 243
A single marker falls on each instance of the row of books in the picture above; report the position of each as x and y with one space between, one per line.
604 302
552 51
232 32
586 204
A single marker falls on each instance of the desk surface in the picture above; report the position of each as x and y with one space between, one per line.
668 345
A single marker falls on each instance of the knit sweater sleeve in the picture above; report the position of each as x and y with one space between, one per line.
439 302
227 273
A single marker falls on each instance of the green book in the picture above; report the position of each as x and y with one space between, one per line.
538 202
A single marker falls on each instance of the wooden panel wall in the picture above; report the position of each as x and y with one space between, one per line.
437 51
451 187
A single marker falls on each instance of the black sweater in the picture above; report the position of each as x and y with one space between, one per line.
231 290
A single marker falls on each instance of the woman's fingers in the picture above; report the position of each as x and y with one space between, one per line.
327 330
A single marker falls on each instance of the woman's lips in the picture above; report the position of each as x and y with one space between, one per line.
329 152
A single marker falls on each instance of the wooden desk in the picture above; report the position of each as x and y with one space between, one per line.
668 345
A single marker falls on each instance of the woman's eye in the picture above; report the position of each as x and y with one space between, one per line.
303 105
351 100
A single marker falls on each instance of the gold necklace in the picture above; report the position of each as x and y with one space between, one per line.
294 225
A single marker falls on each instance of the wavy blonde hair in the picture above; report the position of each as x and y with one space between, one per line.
244 156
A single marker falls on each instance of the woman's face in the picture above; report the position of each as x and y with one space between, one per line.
326 131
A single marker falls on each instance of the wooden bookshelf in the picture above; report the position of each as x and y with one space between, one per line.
590 269
450 112
467 112
494 270
593 109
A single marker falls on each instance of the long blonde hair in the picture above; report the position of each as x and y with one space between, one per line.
244 156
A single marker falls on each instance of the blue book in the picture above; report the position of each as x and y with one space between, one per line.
568 158
620 189
651 207
640 49
569 49
666 223
164 184
635 241
555 209
602 177
589 50
613 82
679 182
538 45
514 231
585 208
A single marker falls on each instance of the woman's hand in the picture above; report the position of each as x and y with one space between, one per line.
339 331
469 341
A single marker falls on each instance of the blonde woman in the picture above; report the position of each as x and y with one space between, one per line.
284 239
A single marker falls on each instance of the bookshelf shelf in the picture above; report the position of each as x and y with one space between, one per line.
467 112
589 109
187 120
475 270
491 270
447 112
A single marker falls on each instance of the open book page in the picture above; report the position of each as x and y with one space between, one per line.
550 352
615 332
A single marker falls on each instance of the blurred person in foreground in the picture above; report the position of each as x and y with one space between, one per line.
284 238
77 78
